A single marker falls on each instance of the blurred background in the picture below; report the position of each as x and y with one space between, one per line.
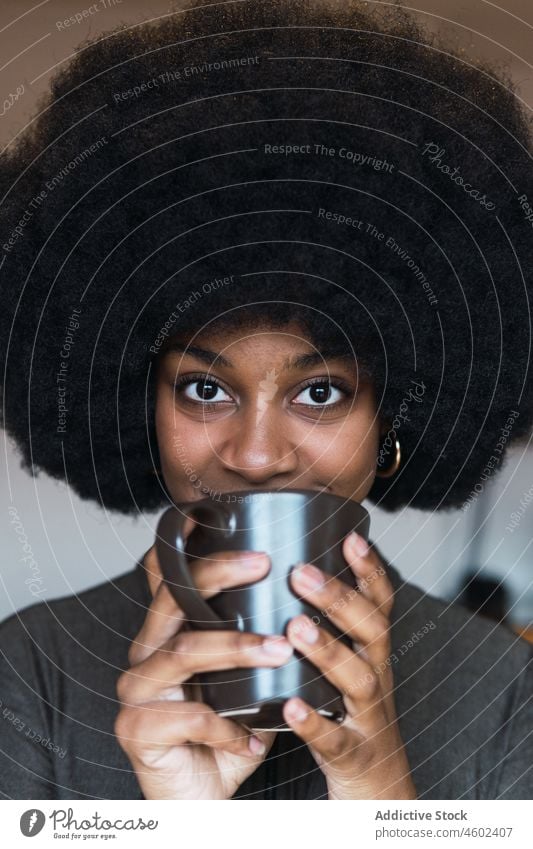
53 544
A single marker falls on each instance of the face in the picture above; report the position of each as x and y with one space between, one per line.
262 409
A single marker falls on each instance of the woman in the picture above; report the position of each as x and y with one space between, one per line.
267 246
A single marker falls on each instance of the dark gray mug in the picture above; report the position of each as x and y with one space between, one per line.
292 526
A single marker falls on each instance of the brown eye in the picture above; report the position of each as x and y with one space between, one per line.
321 393
201 390
204 389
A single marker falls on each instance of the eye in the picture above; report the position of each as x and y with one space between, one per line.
201 390
321 393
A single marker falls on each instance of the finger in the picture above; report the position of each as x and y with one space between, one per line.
165 617
225 569
146 733
163 620
346 607
192 652
346 670
334 742
370 572
215 572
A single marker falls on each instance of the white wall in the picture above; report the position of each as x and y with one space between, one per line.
73 543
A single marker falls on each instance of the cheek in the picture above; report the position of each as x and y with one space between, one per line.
172 438
184 446
347 453
165 425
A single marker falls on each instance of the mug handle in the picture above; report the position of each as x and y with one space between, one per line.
170 547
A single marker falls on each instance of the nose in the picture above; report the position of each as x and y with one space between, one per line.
259 447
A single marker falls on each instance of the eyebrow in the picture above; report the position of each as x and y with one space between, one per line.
300 362
203 354
303 361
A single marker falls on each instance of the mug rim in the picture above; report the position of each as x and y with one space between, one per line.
287 492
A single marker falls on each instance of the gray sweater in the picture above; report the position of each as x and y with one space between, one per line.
463 692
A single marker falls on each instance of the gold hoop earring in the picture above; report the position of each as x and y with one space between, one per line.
388 472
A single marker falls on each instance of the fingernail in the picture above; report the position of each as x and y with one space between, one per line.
296 710
303 627
309 576
253 559
359 544
256 746
277 646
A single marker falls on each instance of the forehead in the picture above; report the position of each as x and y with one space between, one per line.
236 339
287 348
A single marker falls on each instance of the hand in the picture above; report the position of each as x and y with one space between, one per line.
179 748
362 757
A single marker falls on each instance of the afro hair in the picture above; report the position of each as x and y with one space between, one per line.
340 166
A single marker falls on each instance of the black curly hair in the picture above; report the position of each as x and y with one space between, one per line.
339 166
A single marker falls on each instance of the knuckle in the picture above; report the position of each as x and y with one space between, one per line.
232 563
122 686
181 644
371 685
124 727
207 577
133 654
387 590
380 628
327 647
242 644
365 685
225 572
229 572
198 718
235 643
336 744
183 650
376 570
231 644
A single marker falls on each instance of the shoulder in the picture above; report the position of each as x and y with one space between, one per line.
455 665
459 636
463 689
118 605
